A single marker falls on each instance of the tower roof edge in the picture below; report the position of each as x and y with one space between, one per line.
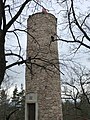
41 13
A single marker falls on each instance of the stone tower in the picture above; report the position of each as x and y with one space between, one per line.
43 98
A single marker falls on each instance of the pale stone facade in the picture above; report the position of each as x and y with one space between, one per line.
42 74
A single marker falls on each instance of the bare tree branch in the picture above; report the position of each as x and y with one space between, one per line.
16 16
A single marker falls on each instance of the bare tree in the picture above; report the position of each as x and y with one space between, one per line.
76 94
75 84
76 22
13 14
4 27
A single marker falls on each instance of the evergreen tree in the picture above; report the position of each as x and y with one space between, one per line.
18 104
3 104
80 111
13 108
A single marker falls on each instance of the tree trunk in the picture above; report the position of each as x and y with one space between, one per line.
2 56
2 42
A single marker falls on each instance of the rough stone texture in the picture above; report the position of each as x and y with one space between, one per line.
43 76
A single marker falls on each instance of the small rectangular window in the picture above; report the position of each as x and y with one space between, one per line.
31 111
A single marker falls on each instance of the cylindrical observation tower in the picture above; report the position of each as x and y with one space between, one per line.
43 93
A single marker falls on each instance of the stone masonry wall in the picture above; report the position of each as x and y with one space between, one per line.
42 74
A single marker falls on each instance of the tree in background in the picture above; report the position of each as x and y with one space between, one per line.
13 108
10 16
76 94
3 104
71 112
76 22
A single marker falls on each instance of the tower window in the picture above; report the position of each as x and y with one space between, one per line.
31 111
